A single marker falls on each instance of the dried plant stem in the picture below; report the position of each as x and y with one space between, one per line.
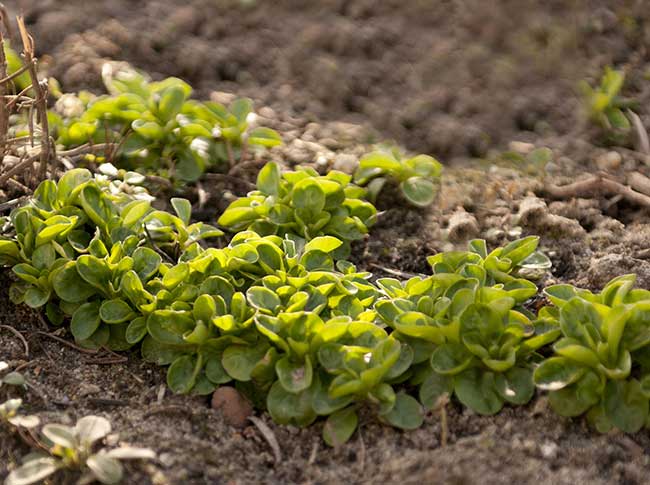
596 186
40 97
4 111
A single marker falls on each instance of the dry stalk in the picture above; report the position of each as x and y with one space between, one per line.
22 165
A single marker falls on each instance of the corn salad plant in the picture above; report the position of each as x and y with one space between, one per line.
72 448
600 366
604 104
163 131
417 177
305 334
302 205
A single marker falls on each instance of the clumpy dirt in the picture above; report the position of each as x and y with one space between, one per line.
460 80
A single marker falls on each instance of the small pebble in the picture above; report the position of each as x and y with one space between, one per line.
234 408
609 161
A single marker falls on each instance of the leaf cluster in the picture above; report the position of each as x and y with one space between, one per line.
71 447
467 326
303 205
76 240
600 366
166 132
417 177
604 105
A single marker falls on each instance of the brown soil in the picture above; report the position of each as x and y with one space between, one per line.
457 79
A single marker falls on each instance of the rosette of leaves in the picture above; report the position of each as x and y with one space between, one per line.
510 266
604 105
418 177
71 448
360 363
468 338
303 205
74 243
600 365
489 361
166 132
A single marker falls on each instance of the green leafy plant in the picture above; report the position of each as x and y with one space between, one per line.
9 413
600 365
12 378
470 334
417 176
303 205
159 128
76 239
604 105
71 447
14 64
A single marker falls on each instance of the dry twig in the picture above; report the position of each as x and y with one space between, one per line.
269 436
20 336
597 186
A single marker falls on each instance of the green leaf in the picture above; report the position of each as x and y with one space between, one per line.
289 408
135 211
183 209
241 108
451 359
146 262
115 311
181 375
294 377
94 271
71 180
85 320
477 390
406 413
107 470
33 471
69 286
265 137
268 179
309 196
149 130
433 388
340 426
625 405
577 398
262 298
326 244
239 361
171 102
556 373
419 191
516 385
176 275
36 298
617 119
136 330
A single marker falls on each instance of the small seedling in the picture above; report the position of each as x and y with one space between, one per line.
71 448
417 177
604 105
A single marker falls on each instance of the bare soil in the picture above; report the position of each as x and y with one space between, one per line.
457 79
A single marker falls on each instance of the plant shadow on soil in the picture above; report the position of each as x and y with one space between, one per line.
363 62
